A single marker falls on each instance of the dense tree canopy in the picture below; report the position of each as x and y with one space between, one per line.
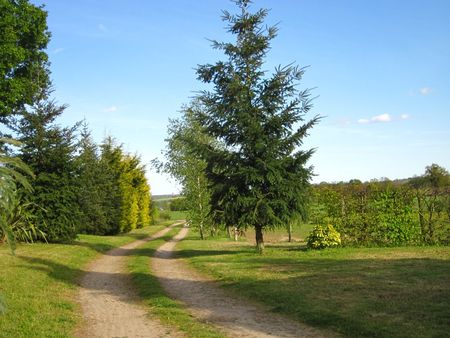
23 61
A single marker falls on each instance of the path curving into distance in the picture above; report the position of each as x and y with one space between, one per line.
208 303
110 306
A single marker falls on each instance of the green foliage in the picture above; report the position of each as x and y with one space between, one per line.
49 150
23 62
322 237
22 221
387 213
164 215
122 190
184 164
13 174
178 204
258 175
91 180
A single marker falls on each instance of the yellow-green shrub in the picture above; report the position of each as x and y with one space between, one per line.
323 237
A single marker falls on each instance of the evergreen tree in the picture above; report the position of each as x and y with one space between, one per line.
110 163
49 151
259 174
144 198
91 180
127 204
128 184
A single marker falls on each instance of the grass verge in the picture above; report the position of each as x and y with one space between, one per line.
371 292
169 311
39 283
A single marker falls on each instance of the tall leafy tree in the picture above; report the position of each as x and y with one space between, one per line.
260 174
24 69
187 167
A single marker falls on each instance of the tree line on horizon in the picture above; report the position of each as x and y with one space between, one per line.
55 182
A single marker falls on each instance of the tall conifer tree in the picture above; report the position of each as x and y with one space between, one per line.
260 173
49 151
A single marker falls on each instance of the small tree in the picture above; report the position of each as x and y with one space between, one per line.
430 191
259 175
184 164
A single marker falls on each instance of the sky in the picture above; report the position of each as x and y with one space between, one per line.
380 71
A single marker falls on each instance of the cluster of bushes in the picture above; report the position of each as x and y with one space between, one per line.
387 213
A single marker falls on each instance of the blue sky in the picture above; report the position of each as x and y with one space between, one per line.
380 69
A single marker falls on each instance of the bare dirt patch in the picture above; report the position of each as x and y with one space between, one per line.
110 306
207 302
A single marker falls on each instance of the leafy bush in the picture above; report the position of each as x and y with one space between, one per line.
323 237
164 215
178 204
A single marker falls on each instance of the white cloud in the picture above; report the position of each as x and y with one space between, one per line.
102 28
378 118
425 91
111 109
405 116
381 118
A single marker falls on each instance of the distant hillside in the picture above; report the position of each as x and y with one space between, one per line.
164 197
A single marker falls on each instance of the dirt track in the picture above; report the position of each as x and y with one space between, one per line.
110 306
207 302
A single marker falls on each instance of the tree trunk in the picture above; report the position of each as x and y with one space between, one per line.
200 206
229 231
259 238
431 208
421 218
290 232
213 230
202 235
236 233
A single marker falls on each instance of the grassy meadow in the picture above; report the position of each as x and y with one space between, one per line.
372 292
39 284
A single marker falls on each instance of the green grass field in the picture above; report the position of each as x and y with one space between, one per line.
38 285
372 292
